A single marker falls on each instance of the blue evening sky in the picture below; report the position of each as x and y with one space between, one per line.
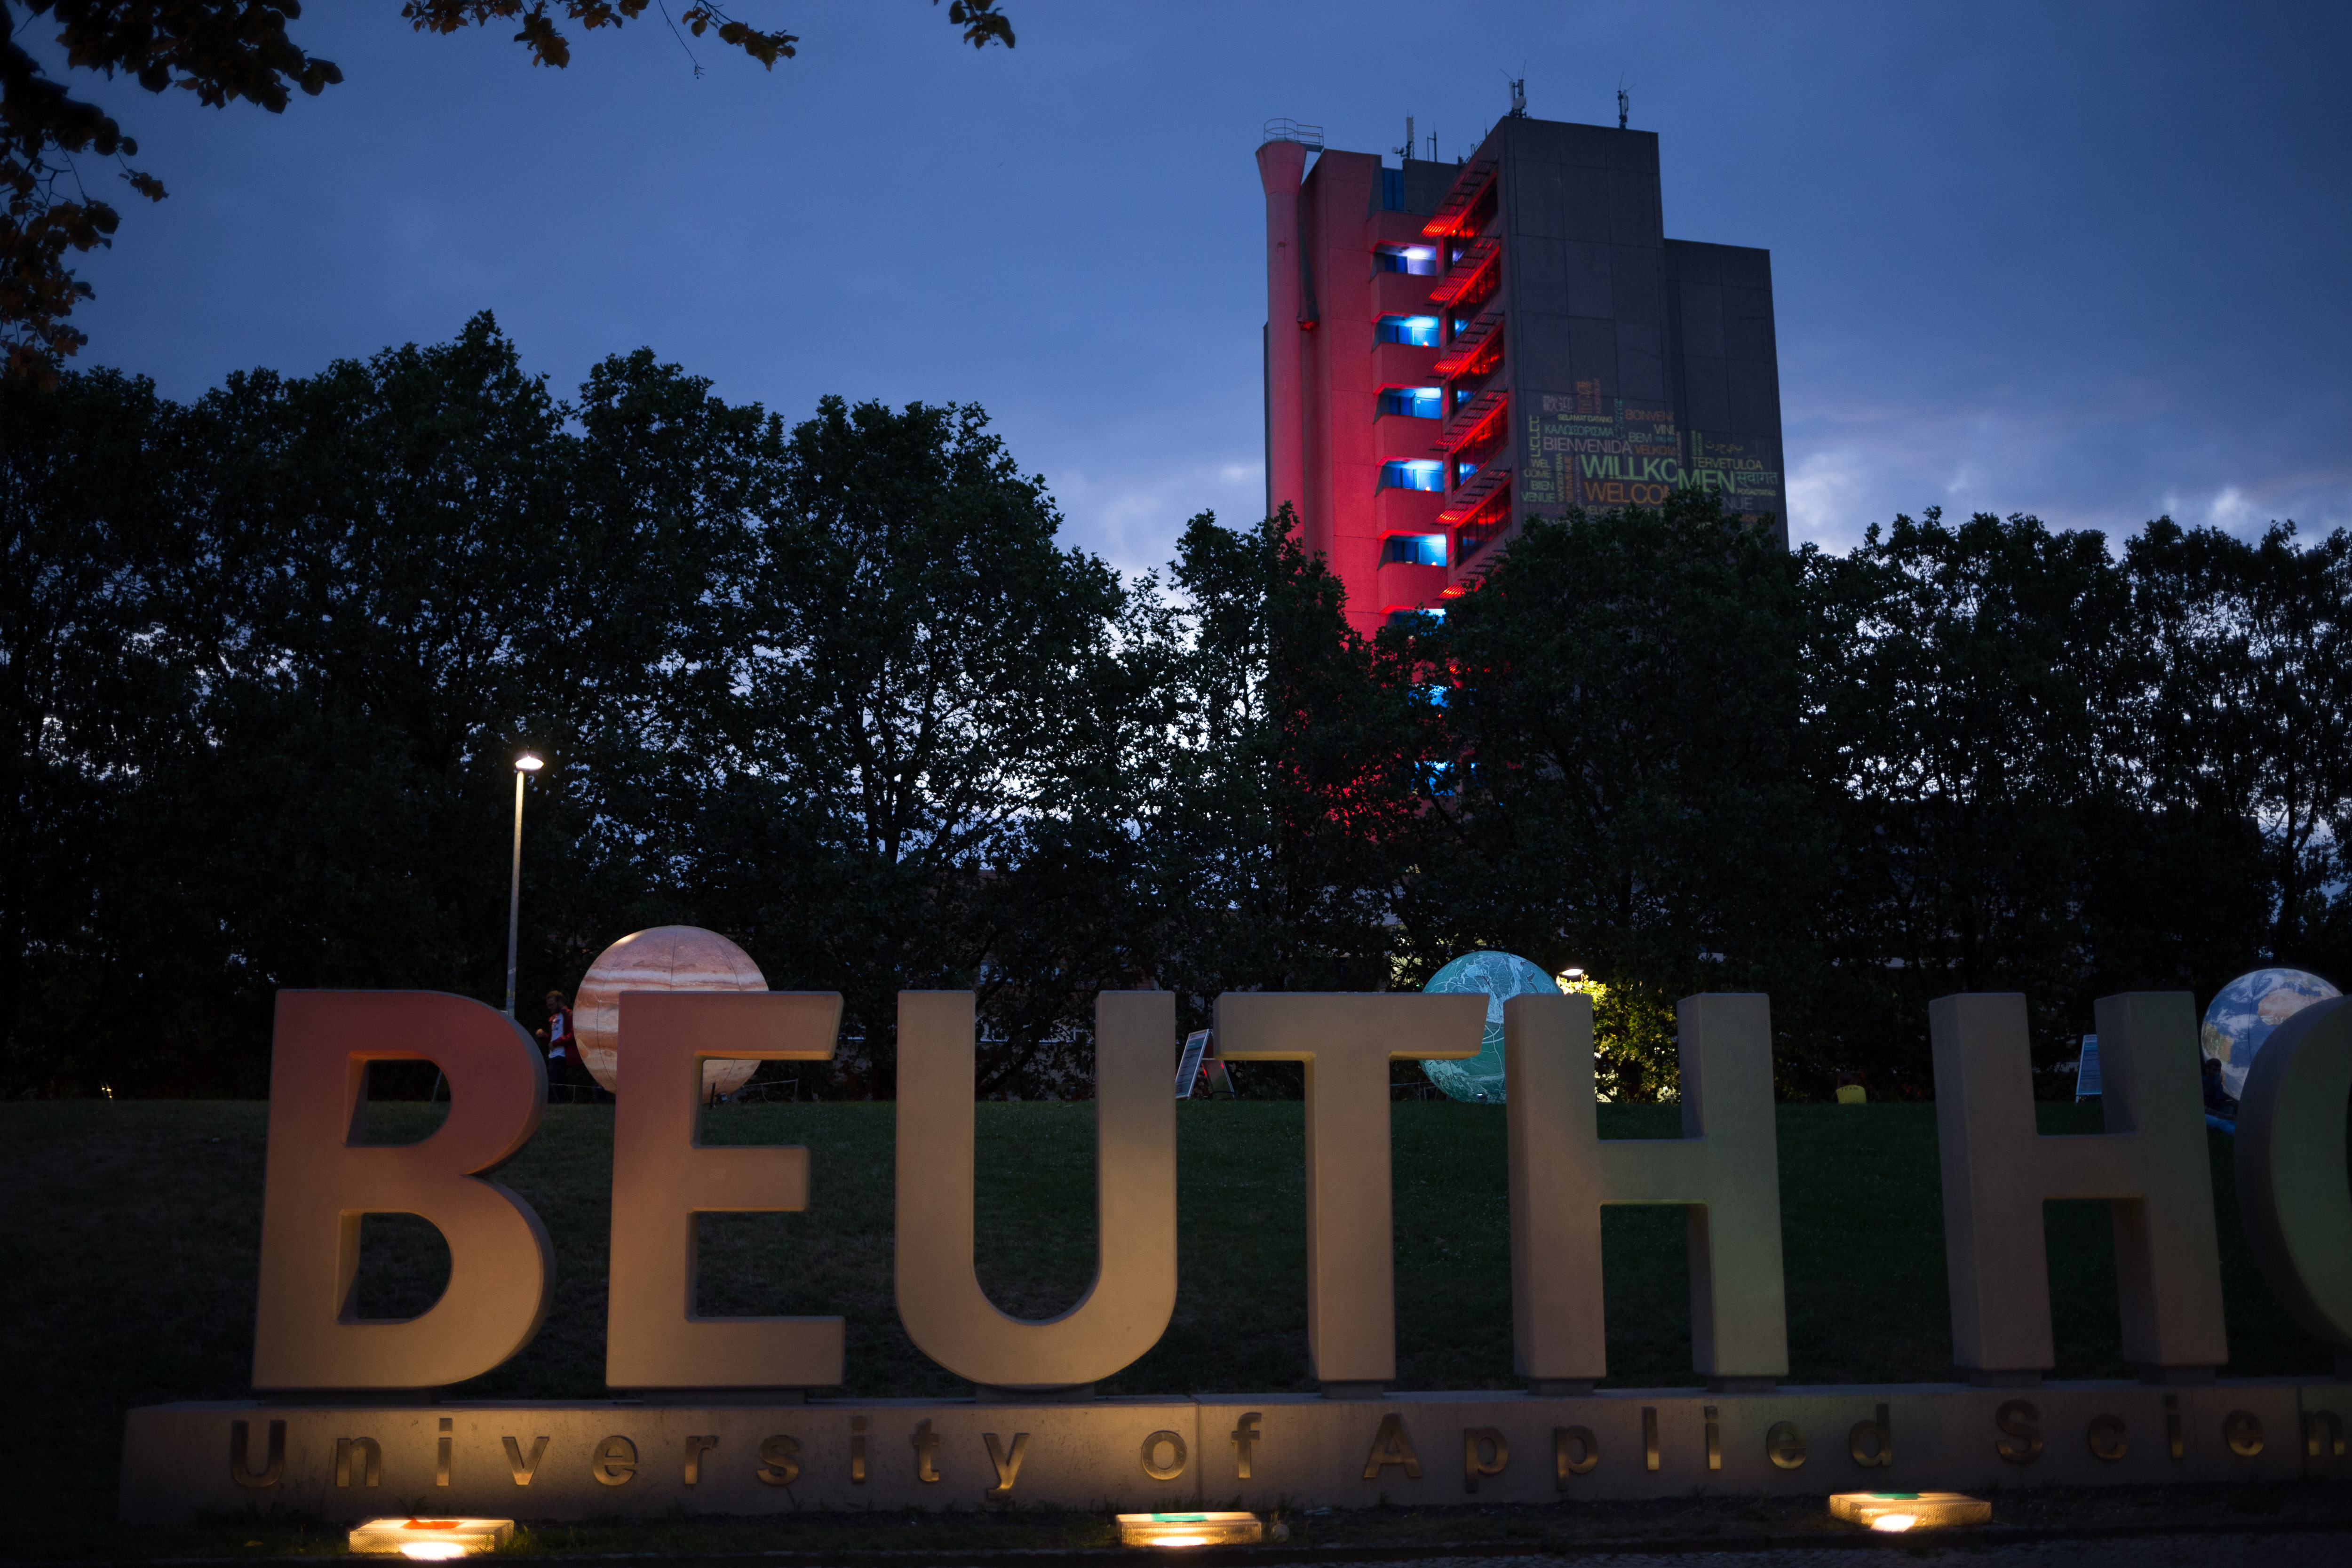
2089 261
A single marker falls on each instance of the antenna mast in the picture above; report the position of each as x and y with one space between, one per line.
1624 105
1405 151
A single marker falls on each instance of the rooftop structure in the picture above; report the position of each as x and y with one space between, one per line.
1453 348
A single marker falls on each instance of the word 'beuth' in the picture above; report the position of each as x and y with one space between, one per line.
1724 1172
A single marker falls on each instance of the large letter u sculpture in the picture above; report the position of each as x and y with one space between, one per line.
1127 1308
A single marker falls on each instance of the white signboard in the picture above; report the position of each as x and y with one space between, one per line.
1188 1071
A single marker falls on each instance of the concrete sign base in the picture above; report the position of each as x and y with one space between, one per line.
631 1458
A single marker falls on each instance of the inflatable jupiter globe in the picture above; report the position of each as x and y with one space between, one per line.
666 958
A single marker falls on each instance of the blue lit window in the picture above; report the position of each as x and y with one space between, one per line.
1414 549
1413 475
1417 260
1392 190
1420 331
1431 615
1463 395
1462 472
1415 402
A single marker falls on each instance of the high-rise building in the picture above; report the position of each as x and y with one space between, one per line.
1453 348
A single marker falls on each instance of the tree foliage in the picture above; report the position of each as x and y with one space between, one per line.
1626 694
225 52
1281 809
909 728
837 690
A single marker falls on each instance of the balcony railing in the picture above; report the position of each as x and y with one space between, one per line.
1457 279
1468 187
1475 490
1475 530
1466 423
1469 341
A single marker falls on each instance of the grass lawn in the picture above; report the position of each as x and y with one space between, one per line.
130 1231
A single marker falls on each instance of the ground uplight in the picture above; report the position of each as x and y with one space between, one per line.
431 1540
1189 1529
1896 1511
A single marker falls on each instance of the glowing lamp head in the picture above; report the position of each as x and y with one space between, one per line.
528 763
1895 1523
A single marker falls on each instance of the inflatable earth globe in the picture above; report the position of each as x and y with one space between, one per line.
665 958
2248 1009
1497 975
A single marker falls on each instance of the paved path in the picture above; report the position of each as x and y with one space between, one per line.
2295 1549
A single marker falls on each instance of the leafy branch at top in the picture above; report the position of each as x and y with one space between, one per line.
222 50
218 49
550 46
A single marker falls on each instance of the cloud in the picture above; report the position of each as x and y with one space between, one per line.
2075 449
1825 491
1132 519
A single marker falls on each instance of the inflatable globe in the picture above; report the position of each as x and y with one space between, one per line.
666 958
2248 1009
1497 975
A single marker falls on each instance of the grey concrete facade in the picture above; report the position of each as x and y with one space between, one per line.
1634 364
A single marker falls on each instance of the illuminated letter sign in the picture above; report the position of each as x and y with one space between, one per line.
2291 1121
1723 1171
1127 1308
662 1176
2150 1165
1348 1041
321 1179
696 1441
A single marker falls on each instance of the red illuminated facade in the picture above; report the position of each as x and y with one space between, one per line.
1451 348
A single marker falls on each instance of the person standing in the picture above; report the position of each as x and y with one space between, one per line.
563 1063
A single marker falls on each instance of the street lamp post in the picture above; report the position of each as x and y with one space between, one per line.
525 765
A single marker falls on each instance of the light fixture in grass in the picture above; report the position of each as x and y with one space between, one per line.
1189 1529
432 1539
1909 1511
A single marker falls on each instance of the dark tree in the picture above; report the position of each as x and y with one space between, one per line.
1631 797
1283 810
96 685
910 732
839 692
1974 689
2247 725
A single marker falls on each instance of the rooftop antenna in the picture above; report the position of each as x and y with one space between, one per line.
1433 140
1405 153
1624 103
1518 95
